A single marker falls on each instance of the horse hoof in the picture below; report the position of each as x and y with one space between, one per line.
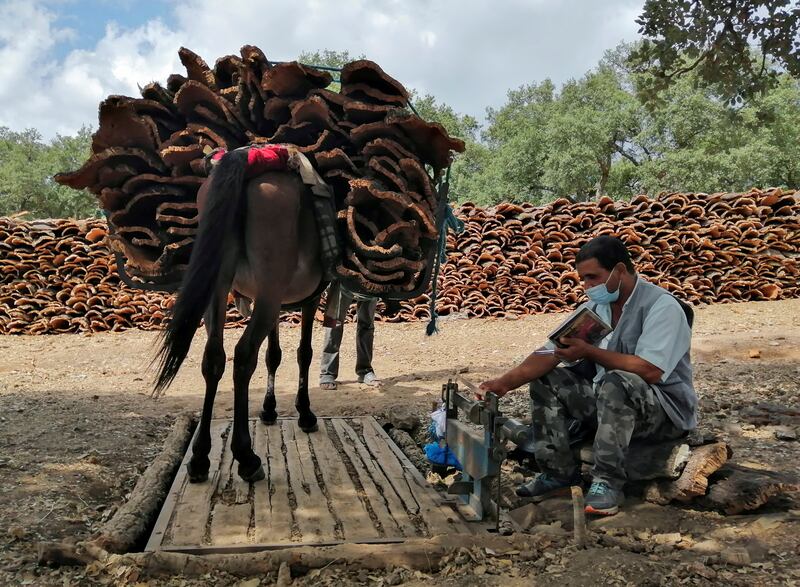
256 475
196 476
268 419
308 428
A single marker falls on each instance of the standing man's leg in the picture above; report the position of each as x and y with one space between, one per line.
555 398
329 360
365 336
627 407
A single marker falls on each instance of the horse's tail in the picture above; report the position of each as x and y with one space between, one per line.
197 289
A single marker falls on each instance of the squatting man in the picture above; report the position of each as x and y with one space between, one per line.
635 384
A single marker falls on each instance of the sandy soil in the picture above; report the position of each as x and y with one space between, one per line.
78 425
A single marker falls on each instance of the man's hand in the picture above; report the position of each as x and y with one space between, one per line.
575 350
495 386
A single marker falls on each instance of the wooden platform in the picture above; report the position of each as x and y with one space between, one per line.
348 482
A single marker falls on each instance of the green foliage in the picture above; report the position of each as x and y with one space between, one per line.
700 144
27 167
512 162
595 136
713 39
544 144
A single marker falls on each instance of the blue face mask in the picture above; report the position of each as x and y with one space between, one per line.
600 294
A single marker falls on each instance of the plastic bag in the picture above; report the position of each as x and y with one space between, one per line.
441 455
436 429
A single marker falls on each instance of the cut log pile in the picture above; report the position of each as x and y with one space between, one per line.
59 276
381 160
697 469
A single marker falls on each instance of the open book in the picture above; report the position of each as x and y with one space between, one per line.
584 324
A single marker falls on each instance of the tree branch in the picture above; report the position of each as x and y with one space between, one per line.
727 28
705 55
628 156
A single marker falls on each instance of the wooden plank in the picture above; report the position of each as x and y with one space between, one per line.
325 488
246 548
273 510
329 529
230 505
162 530
240 486
393 474
307 514
194 504
440 519
350 512
389 507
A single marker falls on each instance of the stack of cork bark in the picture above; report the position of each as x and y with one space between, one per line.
519 259
381 159
59 276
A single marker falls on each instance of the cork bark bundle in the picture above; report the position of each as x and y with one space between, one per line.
380 158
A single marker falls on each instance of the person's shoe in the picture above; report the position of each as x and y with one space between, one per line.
545 486
602 499
369 379
328 385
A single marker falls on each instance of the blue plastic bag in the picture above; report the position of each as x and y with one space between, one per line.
441 455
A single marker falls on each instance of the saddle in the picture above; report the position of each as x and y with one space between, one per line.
262 157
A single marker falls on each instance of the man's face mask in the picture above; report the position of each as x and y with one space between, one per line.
600 294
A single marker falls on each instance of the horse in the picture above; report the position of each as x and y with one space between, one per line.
259 237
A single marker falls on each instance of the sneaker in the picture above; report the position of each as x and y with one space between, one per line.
328 385
546 485
369 379
602 499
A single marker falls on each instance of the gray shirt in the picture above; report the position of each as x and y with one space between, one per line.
653 326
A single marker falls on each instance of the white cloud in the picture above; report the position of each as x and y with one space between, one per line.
467 54
428 38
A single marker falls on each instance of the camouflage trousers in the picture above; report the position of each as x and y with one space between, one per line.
623 407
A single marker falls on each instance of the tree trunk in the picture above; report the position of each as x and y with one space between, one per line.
605 169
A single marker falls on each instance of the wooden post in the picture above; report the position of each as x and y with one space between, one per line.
578 516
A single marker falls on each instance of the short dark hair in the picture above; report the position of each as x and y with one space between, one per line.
608 251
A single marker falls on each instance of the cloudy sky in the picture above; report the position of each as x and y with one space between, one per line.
60 58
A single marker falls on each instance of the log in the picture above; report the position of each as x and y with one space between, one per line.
69 554
416 554
649 461
422 554
693 482
737 488
133 518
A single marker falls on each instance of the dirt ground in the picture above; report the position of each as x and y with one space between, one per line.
78 426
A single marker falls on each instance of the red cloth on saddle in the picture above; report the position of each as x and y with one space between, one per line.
262 159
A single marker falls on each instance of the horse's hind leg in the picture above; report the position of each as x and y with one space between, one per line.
213 368
264 318
268 414
307 420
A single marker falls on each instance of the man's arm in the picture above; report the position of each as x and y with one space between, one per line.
665 338
533 367
622 362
